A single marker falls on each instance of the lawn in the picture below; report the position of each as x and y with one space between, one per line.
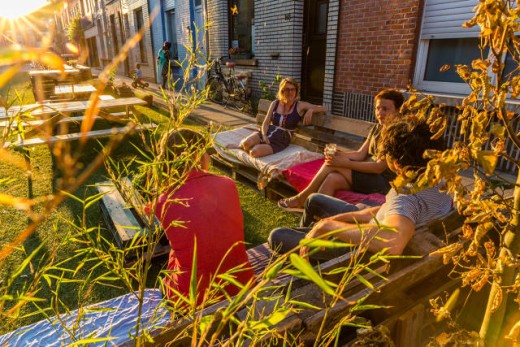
59 237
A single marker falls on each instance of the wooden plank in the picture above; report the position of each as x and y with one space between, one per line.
77 136
263 106
347 125
40 122
408 327
72 106
122 219
52 72
117 114
136 200
124 215
61 89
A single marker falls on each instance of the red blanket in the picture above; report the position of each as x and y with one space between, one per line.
299 176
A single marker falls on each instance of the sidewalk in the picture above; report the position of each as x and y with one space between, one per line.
209 112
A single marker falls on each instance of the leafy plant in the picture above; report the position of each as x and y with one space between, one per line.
269 89
486 134
74 30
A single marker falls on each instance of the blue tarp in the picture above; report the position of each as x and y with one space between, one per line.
115 318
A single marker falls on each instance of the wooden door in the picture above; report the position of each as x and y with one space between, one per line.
314 47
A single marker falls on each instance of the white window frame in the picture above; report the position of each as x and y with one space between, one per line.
434 86
435 14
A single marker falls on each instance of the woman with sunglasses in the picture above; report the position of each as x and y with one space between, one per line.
282 119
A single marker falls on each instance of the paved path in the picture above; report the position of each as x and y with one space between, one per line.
205 114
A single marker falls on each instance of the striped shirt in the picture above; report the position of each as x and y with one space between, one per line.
421 208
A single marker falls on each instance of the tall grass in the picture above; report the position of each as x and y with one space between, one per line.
56 256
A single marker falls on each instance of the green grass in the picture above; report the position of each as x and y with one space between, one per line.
58 234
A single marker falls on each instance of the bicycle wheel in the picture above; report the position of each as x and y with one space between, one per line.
215 89
239 95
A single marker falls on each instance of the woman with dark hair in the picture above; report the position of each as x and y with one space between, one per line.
203 216
163 62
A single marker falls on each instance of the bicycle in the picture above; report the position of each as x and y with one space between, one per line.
227 89
137 83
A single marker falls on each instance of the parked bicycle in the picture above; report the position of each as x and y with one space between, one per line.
227 89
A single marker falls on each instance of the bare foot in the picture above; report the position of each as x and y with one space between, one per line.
231 146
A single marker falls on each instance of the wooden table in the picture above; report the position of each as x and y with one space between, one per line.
53 73
44 81
74 90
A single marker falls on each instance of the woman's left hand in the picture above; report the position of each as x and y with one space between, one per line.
307 118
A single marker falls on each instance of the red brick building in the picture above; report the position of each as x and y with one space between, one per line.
377 43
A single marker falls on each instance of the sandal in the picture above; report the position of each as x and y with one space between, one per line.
284 205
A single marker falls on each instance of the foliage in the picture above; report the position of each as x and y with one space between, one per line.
76 263
269 90
74 30
489 241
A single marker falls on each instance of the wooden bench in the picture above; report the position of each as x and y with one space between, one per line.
23 143
400 281
345 132
123 212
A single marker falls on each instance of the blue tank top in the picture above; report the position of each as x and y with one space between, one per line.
286 121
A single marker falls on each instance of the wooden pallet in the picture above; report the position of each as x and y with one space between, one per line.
347 133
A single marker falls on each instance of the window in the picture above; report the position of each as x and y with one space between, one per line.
451 52
241 19
139 23
443 41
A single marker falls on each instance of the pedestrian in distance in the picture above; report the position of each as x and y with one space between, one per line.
163 62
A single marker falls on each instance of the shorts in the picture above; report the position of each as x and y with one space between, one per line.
368 183
279 139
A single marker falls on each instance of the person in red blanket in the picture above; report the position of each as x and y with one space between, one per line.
203 215
361 171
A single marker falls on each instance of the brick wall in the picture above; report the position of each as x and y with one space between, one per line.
279 28
218 31
377 43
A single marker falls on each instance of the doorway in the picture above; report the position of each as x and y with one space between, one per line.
314 49
172 34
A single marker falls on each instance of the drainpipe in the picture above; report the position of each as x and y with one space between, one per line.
193 72
151 35
163 20
206 31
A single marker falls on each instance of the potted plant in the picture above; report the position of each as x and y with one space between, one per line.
239 53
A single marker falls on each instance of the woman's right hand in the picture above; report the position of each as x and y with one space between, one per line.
266 139
340 159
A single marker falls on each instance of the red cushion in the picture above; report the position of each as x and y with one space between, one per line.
299 176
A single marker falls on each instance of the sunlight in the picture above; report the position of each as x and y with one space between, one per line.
26 7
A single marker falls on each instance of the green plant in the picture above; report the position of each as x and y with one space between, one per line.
491 231
269 89
74 30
